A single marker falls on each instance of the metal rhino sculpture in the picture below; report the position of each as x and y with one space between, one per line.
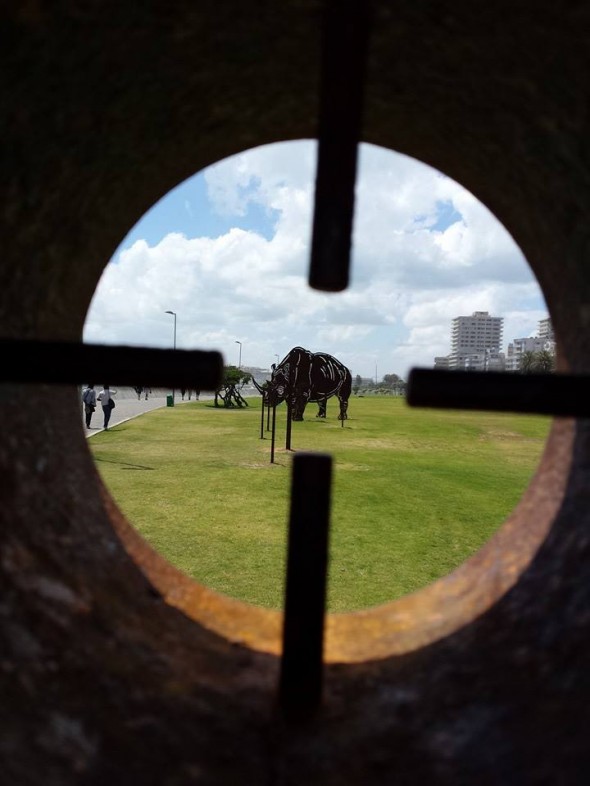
306 376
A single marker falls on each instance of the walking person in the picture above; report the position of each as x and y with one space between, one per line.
138 391
108 404
89 399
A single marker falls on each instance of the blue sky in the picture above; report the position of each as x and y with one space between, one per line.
187 210
228 250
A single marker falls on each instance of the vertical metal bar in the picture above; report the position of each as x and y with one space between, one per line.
300 686
272 438
344 54
289 410
262 419
268 408
289 421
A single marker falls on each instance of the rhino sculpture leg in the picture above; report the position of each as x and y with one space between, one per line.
298 408
322 408
343 409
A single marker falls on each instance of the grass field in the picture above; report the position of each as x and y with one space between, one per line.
415 492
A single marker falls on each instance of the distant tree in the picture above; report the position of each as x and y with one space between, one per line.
545 361
542 361
358 381
527 362
394 383
229 390
390 381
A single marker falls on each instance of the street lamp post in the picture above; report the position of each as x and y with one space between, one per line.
174 315
240 360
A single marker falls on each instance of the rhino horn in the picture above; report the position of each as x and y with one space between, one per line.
258 387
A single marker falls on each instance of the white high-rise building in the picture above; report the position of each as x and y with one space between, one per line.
476 342
546 329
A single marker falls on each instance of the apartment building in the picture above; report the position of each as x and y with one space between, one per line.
544 342
441 362
546 329
476 342
518 346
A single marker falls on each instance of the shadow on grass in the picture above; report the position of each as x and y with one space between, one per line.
122 464
230 409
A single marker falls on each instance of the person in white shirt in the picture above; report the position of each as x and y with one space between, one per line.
106 397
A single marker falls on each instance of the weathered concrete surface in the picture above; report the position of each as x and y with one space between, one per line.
103 110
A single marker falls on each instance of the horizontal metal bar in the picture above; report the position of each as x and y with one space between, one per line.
64 363
300 687
566 395
344 54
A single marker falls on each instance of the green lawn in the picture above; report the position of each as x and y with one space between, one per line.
415 491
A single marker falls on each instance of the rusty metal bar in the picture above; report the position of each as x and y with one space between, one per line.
566 395
300 686
344 54
64 363
262 419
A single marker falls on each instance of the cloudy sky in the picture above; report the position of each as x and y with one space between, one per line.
227 250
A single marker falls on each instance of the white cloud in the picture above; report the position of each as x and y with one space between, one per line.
411 272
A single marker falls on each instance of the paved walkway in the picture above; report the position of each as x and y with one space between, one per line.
127 407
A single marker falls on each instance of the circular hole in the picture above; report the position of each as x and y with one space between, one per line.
221 262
